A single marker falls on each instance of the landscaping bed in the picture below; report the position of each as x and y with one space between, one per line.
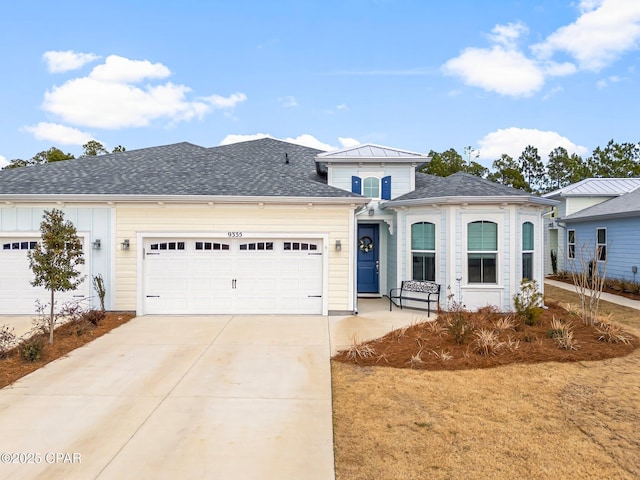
68 337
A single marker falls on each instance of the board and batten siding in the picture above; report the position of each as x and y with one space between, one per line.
401 176
623 245
332 220
88 219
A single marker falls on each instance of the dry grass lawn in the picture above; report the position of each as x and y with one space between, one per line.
535 421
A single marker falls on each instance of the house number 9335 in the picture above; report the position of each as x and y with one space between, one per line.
234 234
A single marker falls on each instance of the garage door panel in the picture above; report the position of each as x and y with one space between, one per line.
236 276
17 295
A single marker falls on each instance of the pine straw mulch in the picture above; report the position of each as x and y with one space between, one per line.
432 346
67 338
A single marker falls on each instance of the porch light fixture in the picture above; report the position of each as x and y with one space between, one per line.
125 244
96 244
371 212
338 245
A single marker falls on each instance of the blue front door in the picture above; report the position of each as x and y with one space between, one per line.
368 259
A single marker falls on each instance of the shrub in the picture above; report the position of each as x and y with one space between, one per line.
8 340
98 285
612 333
487 342
94 317
528 302
359 349
504 323
563 334
31 349
554 262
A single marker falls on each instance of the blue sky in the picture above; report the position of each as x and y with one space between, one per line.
417 75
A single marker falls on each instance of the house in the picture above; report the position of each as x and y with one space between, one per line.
575 198
270 227
607 232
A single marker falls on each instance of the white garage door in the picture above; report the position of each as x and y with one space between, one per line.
200 276
17 295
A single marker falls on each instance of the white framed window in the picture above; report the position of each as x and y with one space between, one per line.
482 252
371 187
601 244
571 244
527 250
423 251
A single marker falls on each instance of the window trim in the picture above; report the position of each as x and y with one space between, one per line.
571 252
364 187
528 251
495 253
603 252
413 251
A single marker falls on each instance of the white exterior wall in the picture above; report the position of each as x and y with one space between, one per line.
89 219
451 250
402 176
332 221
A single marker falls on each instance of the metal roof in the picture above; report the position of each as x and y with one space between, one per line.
597 187
371 152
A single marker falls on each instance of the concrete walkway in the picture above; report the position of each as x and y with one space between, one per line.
609 297
225 397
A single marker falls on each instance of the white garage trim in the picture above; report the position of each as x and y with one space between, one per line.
229 236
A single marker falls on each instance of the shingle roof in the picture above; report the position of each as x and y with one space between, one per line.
627 205
458 185
253 168
597 187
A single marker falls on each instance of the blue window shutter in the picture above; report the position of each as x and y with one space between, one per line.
386 188
356 185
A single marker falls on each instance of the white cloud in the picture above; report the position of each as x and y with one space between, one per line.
507 35
603 83
3 161
347 142
513 141
233 138
304 139
59 134
603 32
58 62
107 98
500 70
118 69
288 102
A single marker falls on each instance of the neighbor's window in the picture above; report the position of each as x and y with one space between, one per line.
527 250
423 251
571 244
601 244
371 187
482 252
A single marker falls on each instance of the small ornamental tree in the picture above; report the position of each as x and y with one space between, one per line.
55 258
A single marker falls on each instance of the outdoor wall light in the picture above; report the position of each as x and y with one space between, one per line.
338 245
125 244
96 244
371 211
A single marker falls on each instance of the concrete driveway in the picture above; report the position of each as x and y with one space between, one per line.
224 397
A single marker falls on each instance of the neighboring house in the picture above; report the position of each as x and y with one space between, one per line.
607 232
575 198
267 226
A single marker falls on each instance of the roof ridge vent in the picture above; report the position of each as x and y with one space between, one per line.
286 158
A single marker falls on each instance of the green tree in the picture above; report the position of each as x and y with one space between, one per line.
616 160
564 169
532 168
444 164
52 155
16 163
474 168
507 172
118 149
55 258
93 148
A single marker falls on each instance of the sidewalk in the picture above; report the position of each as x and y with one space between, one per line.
607 297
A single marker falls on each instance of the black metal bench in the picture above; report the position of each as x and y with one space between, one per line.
411 290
